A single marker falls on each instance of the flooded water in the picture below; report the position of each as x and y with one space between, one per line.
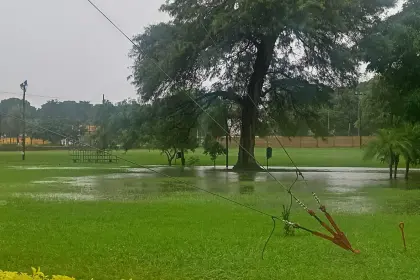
342 188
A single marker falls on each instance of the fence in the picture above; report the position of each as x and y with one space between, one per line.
307 141
13 140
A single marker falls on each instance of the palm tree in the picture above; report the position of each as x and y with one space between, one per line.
412 134
389 145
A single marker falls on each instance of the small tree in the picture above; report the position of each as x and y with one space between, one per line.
213 148
412 134
389 145
168 126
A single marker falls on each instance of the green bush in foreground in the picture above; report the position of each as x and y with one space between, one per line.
36 275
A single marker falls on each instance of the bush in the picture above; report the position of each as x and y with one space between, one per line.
36 275
192 161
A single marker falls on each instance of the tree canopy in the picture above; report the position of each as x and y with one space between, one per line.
392 50
292 53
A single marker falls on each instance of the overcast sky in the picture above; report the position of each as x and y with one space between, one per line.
66 49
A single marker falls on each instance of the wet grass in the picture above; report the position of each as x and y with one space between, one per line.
316 157
180 234
195 237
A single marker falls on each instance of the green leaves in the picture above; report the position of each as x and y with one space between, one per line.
402 140
288 52
203 38
168 126
213 148
392 48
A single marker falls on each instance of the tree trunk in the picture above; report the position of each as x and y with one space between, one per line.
391 163
407 168
396 162
170 157
262 62
182 157
247 141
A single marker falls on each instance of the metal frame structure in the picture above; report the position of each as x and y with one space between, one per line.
89 155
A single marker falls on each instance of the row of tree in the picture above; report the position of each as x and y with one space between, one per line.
174 124
277 67
392 50
288 57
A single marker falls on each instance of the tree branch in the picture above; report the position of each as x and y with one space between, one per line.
226 95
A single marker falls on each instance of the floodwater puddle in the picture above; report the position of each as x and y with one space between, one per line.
344 184
352 204
48 167
58 196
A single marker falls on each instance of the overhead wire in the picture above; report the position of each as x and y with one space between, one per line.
289 189
186 93
298 173
144 167
211 117
273 217
44 96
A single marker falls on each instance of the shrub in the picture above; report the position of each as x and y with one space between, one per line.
192 161
36 275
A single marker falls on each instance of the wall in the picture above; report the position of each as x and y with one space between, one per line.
11 140
307 142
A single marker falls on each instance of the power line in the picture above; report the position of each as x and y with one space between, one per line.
48 96
35 95
298 172
192 99
338 237
150 169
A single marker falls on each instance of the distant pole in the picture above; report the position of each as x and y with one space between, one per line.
227 151
360 126
328 122
266 147
359 115
227 142
23 86
103 98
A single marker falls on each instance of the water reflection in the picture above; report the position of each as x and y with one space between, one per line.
246 189
342 190
145 181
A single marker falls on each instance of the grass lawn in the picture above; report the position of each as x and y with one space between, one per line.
316 157
192 235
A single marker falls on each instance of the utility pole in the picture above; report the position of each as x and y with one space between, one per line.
227 138
328 122
23 86
359 115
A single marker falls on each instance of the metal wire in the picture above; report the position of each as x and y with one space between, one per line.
189 96
147 168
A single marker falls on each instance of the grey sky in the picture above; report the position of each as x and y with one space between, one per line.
66 49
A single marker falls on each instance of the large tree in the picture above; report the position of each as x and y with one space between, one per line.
11 116
257 51
392 50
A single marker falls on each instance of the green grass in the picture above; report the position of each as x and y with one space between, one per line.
174 234
194 237
316 157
